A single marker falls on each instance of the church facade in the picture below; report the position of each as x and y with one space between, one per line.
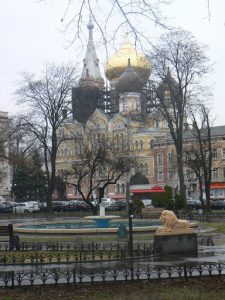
122 112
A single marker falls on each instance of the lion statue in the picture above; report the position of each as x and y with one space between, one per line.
171 223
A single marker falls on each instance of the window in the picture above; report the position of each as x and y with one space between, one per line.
215 174
156 124
215 153
159 159
160 175
100 171
103 137
206 154
117 188
151 144
141 168
170 158
75 190
223 153
170 175
146 169
224 172
122 188
217 193
138 104
136 144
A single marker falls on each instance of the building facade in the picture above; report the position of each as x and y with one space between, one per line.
5 178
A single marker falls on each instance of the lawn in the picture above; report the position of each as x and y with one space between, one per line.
191 289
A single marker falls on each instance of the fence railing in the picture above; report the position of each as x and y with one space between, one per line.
42 253
208 217
147 214
129 272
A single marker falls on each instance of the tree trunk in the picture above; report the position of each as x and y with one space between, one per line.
182 186
207 197
201 194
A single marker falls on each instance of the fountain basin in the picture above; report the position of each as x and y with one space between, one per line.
86 226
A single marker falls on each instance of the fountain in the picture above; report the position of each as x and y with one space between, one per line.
88 225
102 221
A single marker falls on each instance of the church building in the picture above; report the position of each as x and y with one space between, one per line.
121 109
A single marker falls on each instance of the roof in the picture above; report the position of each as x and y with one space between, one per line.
215 132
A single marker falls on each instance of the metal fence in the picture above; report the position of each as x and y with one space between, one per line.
81 274
40 253
208 217
147 214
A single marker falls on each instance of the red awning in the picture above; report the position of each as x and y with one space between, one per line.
154 189
217 185
157 189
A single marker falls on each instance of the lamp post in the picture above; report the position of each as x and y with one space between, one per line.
130 219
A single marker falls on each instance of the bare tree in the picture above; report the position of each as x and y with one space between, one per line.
113 18
199 154
23 148
99 164
49 102
179 64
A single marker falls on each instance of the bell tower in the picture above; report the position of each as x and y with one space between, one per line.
88 95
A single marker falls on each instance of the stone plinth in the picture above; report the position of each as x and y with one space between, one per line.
101 210
177 242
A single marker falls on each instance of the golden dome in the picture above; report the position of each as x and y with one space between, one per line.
118 62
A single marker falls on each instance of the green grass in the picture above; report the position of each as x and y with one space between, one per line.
219 227
84 238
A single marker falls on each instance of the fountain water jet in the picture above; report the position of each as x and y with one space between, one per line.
102 221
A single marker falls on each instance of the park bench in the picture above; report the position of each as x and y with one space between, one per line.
7 235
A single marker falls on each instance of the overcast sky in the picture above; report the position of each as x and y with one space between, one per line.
31 35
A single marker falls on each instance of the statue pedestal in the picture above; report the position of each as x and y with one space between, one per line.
177 242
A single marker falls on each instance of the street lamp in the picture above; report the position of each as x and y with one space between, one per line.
130 219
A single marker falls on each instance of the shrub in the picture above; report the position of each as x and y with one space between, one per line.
179 202
137 205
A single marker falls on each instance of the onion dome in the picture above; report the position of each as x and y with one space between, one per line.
129 81
117 64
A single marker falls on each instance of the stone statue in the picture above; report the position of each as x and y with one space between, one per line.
171 224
